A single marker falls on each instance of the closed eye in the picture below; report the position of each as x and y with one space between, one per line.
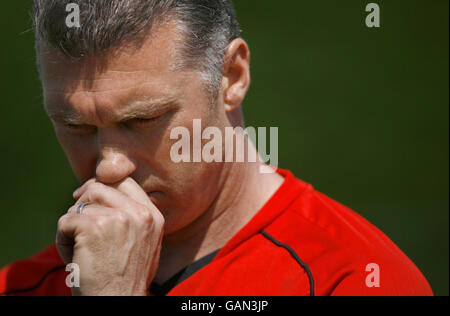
80 128
142 122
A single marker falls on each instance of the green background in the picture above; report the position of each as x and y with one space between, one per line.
362 115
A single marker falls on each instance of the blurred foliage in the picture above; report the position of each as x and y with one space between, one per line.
363 116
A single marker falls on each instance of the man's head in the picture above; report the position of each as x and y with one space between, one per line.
205 28
134 70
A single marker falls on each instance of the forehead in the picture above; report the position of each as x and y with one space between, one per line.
130 70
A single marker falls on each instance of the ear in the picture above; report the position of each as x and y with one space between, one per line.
236 74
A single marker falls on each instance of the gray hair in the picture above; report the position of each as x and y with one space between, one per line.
208 26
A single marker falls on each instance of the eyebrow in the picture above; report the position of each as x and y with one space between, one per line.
61 115
136 109
147 108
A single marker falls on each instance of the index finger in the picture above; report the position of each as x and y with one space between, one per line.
132 189
79 192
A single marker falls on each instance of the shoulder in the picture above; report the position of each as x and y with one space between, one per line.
42 274
341 252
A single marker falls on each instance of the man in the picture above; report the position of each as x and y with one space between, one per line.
115 88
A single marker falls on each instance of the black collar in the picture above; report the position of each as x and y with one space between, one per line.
185 273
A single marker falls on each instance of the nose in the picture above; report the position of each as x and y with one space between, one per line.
113 166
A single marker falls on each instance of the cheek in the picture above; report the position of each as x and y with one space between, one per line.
182 177
81 154
193 188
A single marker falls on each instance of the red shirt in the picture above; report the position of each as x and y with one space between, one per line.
300 243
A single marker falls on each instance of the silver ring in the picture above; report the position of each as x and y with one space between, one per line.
81 206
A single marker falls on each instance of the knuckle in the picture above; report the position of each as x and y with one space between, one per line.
72 209
97 223
146 216
94 189
62 221
122 219
158 219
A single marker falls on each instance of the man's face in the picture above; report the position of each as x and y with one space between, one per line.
113 116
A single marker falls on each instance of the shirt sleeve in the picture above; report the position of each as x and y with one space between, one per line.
384 279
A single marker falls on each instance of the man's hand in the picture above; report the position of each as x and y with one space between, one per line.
116 241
